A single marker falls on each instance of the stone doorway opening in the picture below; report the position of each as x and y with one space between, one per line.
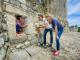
11 24
20 25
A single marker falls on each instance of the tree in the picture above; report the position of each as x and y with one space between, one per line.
78 29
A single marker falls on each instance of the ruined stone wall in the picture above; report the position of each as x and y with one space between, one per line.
58 8
13 7
3 33
8 10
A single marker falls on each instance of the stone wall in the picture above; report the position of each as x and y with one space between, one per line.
11 9
8 10
9 42
58 8
3 33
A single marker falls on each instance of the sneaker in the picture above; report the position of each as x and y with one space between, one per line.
44 46
50 45
56 53
39 44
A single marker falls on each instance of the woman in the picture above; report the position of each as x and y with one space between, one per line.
20 24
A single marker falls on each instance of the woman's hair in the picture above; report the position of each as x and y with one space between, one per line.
18 17
40 15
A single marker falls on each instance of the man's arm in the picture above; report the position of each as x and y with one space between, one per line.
43 26
23 26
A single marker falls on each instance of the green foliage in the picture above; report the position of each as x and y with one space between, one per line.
78 29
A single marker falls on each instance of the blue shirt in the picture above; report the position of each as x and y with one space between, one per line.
56 23
18 28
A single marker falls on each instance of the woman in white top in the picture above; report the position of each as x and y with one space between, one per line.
48 28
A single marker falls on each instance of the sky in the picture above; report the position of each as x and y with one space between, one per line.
73 15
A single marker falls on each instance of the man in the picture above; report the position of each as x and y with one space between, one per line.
48 28
40 29
58 28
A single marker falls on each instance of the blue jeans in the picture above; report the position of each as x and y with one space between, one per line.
60 31
51 35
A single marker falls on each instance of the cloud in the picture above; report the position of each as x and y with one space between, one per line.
77 14
74 21
73 9
72 2
73 12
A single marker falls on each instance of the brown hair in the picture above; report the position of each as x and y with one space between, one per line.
18 17
40 15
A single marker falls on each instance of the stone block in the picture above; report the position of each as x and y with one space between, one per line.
0 16
11 8
40 56
11 26
29 37
34 41
4 26
23 1
23 45
0 6
0 27
30 29
20 45
19 39
19 55
2 53
4 35
1 42
33 50
27 43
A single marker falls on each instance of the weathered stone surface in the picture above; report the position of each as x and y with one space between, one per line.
41 56
11 26
2 53
1 42
33 50
70 46
19 45
0 6
19 55
12 9
19 39
1 27
4 35
0 16
27 43
30 28
4 26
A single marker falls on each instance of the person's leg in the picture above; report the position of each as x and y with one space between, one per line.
39 39
58 39
60 31
45 33
51 37
42 38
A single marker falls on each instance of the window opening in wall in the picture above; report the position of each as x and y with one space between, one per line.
20 24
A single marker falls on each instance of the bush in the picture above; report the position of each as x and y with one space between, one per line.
78 29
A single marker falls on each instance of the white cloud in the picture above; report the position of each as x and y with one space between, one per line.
74 21
74 9
73 12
